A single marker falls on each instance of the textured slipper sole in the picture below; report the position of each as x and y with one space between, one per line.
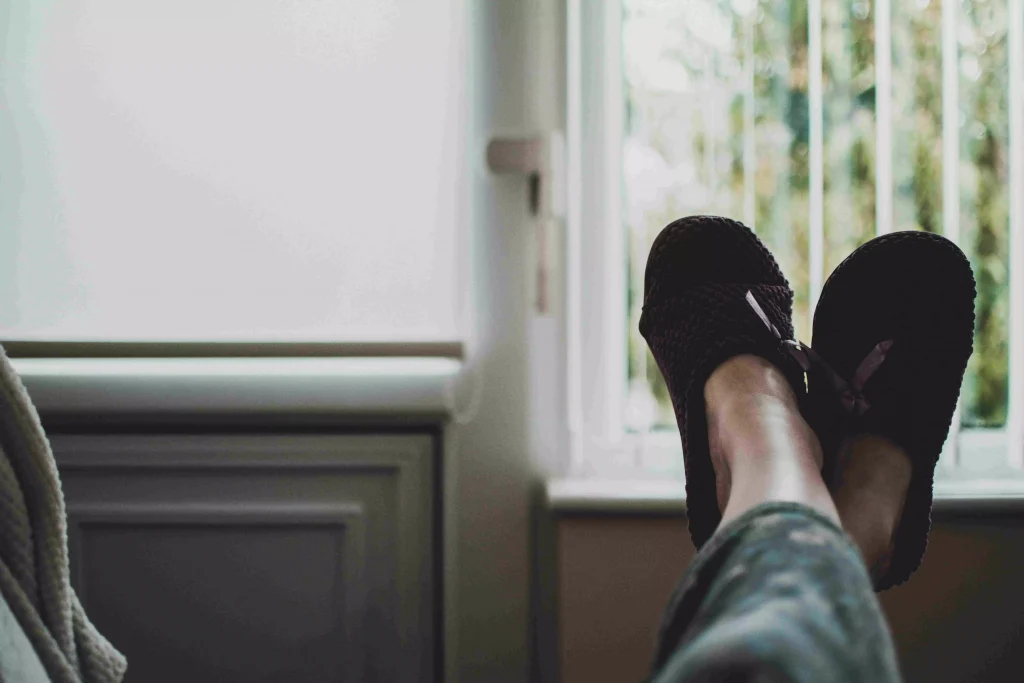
695 317
918 290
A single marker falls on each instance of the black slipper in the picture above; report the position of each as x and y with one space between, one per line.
895 328
712 291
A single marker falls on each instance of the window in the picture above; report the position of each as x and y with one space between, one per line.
819 123
211 171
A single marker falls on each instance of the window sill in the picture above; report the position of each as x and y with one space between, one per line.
629 496
668 497
380 386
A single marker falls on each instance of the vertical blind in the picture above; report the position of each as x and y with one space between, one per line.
220 170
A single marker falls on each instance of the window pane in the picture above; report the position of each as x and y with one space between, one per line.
917 115
717 94
230 169
848 107
683 149
984 201
781 138
716 124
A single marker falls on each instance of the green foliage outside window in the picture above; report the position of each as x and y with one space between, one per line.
695 70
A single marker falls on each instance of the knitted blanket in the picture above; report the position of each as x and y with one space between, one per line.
34 574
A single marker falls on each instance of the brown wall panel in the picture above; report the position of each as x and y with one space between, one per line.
960 618
615 576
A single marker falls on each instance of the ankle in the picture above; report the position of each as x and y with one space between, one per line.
869 525
872 476
744 382
747 399
747 385
761 447
737 393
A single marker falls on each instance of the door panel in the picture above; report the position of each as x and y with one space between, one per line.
256 557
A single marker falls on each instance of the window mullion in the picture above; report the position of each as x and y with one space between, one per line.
573 135
950 124
749 191
883 117
1015 428
817 177
951 172
614 245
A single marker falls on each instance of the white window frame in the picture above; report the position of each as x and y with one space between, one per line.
596 377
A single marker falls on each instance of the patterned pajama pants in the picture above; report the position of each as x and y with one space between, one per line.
779 594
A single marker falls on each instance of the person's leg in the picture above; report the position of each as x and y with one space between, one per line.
761 447
870 487
764 451
779 593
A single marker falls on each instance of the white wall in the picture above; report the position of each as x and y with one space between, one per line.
519 435
231 169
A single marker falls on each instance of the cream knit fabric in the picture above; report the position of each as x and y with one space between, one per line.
34 573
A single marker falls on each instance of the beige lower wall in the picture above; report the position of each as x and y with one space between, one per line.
960 618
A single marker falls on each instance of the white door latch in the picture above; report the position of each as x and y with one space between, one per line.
542 161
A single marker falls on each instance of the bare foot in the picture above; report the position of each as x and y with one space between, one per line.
761 447
870 487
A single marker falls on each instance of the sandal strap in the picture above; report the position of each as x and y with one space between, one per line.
851 394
